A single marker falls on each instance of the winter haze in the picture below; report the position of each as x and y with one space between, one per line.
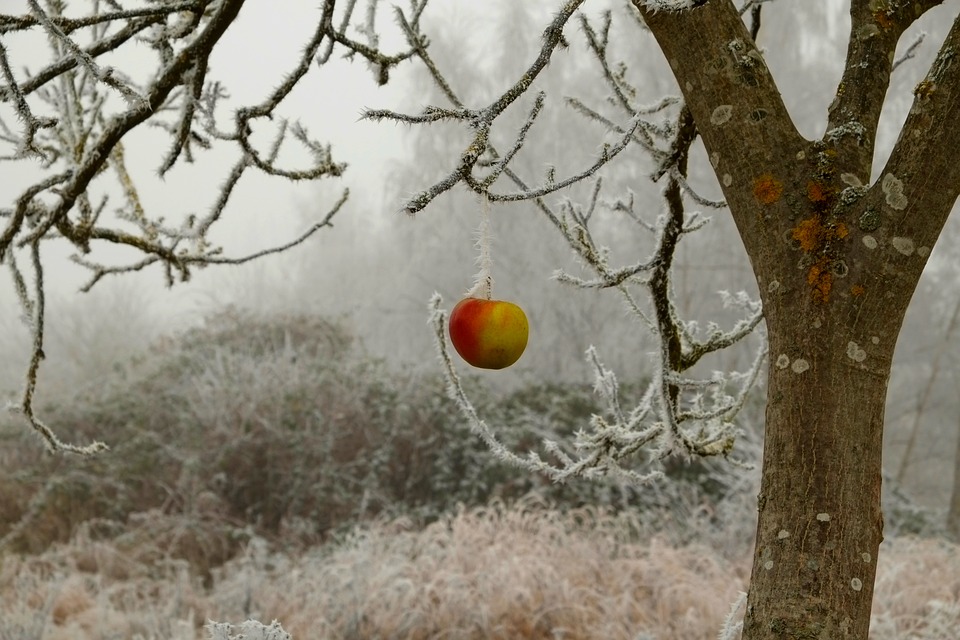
358 293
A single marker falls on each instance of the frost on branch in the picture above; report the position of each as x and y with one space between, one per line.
89 195
680 410
655 427
733 623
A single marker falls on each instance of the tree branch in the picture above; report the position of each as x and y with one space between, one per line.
854 114
728 89
170 78
917 189
483 119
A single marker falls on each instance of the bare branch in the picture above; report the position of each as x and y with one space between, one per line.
68 25
552 38
607 154
874 37
54 444
677 414
32 123
911 51
26 206
118 126
88 139
103 75
97 49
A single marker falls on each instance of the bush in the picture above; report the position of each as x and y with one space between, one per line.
281 426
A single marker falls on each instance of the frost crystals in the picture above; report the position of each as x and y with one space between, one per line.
249 630
676 412
671 5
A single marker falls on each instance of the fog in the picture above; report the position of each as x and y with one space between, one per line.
376 268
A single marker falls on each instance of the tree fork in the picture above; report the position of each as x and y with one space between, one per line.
836 262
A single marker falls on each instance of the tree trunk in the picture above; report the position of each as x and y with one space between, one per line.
837 260
820 524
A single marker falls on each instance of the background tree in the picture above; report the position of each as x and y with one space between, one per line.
923 396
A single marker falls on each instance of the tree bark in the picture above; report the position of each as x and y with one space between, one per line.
837 262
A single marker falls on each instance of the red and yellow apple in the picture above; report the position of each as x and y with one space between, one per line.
488 334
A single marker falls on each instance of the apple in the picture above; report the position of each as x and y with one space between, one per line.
488 334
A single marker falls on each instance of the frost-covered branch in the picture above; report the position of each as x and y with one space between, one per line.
480 120
79 139
677 412
36 319
910 52
610 444
733 622
81 57
601 452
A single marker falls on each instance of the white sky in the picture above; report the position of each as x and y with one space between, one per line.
267 36
263 211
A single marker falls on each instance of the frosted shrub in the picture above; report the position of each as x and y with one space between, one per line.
281 426
249 630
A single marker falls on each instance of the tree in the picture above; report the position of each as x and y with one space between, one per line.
836 254
832 325
927 445
80 138
953 511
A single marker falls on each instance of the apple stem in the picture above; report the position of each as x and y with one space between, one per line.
483 281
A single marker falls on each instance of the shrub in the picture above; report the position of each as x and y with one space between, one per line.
281 426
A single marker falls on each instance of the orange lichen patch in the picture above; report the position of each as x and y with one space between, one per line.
767 189
883 19
817 192
822 196
813 234
810 233
857 290
820 278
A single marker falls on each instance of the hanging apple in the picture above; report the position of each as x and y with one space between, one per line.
488 334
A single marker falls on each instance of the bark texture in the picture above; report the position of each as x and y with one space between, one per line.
837 260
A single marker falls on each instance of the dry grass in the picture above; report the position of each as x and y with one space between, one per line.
917 594
497 573
247 452
522 573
